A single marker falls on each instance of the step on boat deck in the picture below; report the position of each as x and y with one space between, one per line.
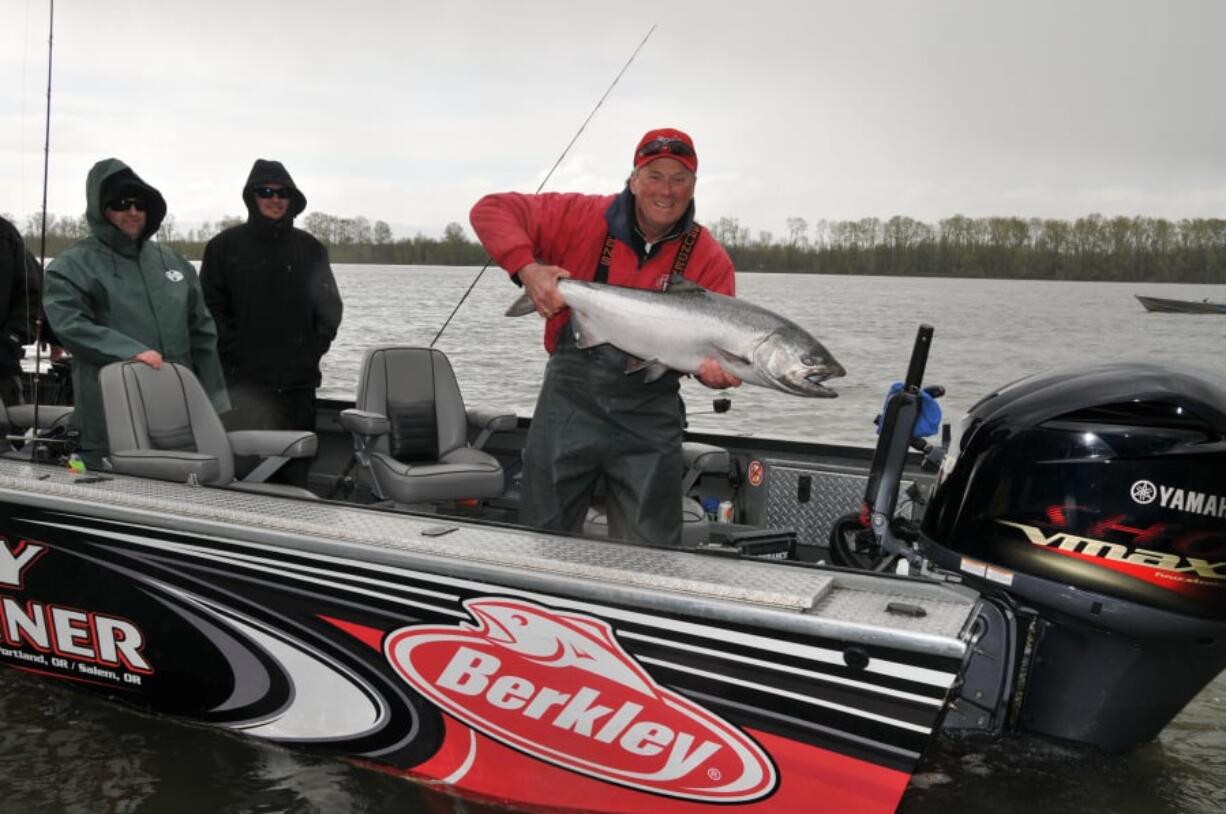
846 602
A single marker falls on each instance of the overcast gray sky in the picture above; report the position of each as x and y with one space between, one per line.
408 111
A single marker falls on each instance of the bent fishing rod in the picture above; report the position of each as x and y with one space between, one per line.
548 175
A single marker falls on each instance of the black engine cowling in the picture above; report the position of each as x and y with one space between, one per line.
1095 498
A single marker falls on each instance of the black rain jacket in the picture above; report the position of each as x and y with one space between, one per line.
21 285
271 291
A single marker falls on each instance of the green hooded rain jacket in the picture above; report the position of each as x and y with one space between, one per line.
109 297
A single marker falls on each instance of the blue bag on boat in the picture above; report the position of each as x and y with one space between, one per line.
929 420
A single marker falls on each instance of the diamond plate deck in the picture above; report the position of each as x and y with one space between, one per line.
832 494
654 569
869 607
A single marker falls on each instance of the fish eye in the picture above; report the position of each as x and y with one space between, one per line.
808 361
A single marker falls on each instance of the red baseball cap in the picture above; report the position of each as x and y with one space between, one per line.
666 143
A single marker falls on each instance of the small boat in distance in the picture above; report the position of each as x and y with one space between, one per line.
1181 306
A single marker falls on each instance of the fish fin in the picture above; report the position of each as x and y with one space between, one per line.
592 629
635 364
655 371
521 307
678 284
653 367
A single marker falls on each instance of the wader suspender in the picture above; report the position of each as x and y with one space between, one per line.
606 257
679 263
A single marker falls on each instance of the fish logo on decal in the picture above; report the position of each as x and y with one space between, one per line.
558 686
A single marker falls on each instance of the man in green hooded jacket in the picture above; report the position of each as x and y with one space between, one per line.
117 295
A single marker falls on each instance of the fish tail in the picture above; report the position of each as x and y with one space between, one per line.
521 307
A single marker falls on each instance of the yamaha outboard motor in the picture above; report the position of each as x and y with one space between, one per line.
1094 500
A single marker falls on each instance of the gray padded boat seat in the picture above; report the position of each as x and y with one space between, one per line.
50 417
161 424
694 524
699 459
411 432
696 460
484 422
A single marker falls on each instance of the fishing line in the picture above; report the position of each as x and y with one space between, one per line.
42 237
549 174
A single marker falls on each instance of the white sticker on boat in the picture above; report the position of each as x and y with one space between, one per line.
976 568
999 575
174 275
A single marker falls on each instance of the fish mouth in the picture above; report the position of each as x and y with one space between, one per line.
817 389
808 384
815 380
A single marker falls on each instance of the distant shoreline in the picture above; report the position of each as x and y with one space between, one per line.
1091 248
741 270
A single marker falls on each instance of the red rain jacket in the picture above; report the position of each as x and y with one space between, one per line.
568 230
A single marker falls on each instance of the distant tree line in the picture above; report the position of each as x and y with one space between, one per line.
349 240
1090 248
357 240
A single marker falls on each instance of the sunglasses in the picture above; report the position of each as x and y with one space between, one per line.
671 146
273 192
124 204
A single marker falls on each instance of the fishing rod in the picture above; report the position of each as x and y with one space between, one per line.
42 237
549 174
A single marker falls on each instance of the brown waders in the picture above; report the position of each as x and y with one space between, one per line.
593 420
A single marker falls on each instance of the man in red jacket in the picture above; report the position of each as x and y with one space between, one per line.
592 419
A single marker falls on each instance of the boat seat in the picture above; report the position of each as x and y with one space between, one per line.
484 422
17 423
410 430
701 459
697 459
694 523
50 417
160 424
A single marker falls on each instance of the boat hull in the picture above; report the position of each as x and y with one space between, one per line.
1181 306
531 670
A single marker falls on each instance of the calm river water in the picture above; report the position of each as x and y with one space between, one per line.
64 752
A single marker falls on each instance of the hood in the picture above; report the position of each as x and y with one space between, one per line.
107 177
263 172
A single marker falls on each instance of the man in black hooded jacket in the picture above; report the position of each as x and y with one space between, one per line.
271 291
21 284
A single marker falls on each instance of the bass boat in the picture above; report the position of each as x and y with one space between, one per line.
1072 553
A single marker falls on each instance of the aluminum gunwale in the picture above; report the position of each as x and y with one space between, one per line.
20 484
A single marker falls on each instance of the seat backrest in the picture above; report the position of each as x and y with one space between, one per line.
164 409
416 389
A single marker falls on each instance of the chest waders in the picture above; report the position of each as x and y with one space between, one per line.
593 421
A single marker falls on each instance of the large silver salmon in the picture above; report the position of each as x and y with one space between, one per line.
678 328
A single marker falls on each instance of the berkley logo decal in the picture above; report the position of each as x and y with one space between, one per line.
559 687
